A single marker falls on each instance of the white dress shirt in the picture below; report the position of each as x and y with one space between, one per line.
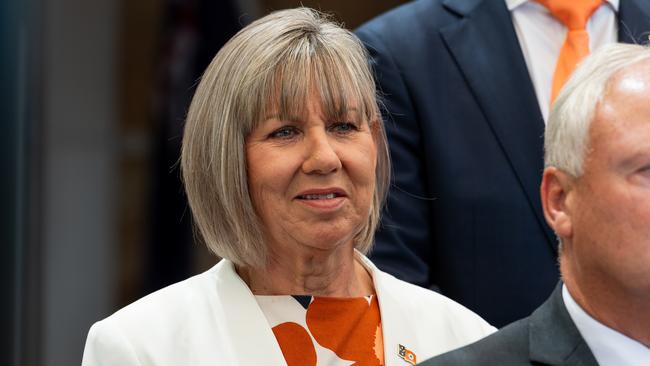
541 37
610 348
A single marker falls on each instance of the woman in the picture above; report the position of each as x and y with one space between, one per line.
285 166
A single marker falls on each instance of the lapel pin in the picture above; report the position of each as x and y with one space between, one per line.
407 355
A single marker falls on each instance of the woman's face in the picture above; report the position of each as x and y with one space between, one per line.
311 179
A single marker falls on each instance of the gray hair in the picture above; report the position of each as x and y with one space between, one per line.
565 140
270 66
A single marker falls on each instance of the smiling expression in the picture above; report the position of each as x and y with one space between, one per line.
311 178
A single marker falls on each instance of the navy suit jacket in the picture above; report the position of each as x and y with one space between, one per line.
547 337
466 139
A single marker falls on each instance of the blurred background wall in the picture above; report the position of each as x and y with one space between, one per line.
93 99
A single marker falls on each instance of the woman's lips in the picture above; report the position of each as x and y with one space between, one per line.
324 203
322 198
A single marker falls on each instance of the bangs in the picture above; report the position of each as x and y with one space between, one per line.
311 67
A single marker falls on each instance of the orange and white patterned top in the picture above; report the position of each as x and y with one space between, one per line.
326 331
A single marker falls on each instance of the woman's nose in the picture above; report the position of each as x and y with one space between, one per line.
321 157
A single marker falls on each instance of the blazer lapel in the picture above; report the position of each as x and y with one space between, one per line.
554 338
634 21
395 332
485 46
251 337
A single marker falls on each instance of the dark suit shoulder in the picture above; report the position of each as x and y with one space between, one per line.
508 346
405 21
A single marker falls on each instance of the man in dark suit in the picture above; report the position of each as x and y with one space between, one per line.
466 95
595 195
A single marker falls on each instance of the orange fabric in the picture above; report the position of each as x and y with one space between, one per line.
574 14
295 344
348 327
349 330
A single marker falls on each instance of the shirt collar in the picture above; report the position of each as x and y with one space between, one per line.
512 4
608 345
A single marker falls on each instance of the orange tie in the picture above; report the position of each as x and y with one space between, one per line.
574 14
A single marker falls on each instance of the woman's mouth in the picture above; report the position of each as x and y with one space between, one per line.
326 196
327 199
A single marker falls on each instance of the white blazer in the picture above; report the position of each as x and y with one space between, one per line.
213 319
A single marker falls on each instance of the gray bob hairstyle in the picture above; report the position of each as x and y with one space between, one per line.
565 140
270 66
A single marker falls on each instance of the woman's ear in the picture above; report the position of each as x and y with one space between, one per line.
556 192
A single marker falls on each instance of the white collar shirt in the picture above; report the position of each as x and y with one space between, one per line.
541 37
609 347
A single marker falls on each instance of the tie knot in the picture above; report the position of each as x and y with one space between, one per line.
574 14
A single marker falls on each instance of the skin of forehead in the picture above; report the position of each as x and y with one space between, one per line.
627 86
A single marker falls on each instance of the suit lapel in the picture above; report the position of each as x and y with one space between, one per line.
395 328
634 21
554 338
485 46
251 339
393 334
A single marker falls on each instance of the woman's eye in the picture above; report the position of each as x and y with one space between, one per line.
343 127
285 132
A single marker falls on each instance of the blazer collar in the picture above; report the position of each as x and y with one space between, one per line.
485 46
252 341
397 328
461 7
634 21
391 319
554 338
245 323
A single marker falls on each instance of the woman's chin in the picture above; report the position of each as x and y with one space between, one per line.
328 241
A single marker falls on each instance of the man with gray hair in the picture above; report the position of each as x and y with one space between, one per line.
596 196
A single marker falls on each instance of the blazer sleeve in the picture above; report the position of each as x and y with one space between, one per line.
403 240
106 345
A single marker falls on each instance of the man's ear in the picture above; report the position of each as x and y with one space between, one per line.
556 192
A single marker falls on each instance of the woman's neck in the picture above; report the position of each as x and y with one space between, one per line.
316 272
